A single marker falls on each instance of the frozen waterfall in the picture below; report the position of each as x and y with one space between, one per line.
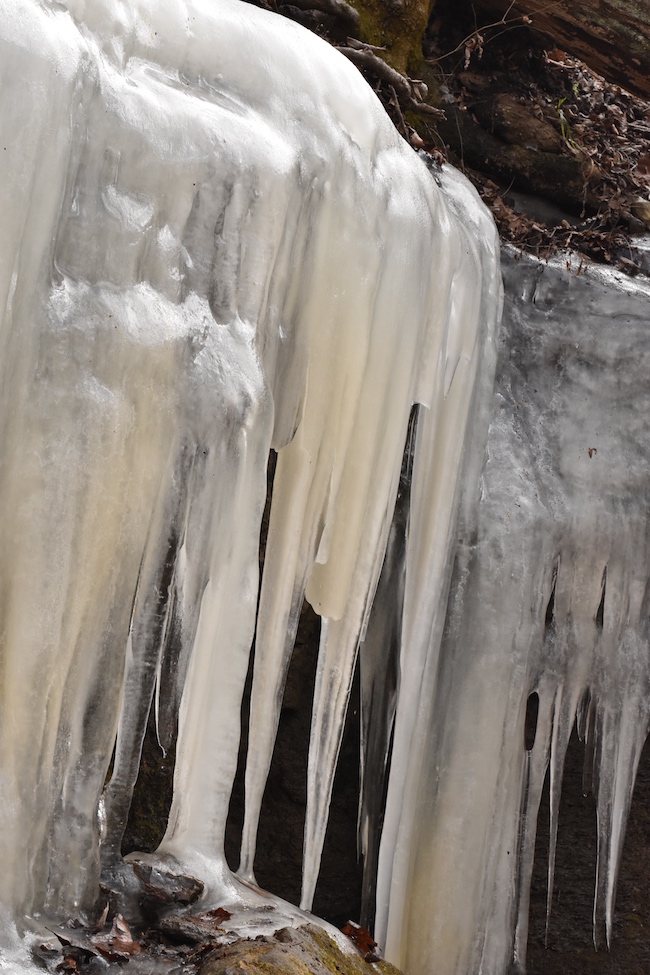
213 244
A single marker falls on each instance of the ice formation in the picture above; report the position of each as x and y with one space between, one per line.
213 243
549 595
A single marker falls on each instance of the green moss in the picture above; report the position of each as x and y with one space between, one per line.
398 26
337 962
302 951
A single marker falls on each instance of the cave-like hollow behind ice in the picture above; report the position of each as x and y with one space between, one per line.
214 244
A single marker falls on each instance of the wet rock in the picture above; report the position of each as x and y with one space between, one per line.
188 930
143 891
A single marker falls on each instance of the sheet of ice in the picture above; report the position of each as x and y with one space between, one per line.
213 243
549 595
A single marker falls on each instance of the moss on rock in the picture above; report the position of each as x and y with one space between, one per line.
307 950
397 26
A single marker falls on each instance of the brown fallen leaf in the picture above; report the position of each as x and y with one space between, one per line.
218 914
362 939
69 965
118 943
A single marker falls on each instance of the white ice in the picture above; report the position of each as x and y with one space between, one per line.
213 242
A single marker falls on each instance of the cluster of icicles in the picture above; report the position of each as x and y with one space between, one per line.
214 244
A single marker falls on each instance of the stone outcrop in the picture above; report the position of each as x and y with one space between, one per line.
292 951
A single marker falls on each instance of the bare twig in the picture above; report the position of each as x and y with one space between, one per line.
404 129
461 46
363 45
409 93
476 40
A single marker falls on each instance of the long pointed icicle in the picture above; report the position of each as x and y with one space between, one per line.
442 431
379 672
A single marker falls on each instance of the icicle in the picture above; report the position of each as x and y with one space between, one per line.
536 764
563 714
623 712
334 492
379 665
442 433
281 600
148 634
209 721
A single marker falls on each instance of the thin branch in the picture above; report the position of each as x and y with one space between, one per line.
503 22
404 131
410 93
498 23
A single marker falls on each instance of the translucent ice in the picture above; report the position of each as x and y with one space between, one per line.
549 596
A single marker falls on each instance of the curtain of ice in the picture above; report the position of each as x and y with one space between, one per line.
213 242
549 595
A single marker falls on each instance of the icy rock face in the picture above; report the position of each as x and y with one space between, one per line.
550 595
212 243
